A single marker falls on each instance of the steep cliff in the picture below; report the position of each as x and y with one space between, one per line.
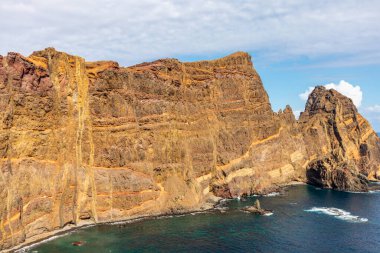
88 142
346 148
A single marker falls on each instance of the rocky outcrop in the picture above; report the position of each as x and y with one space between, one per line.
344 145
89 142
334 174
256 209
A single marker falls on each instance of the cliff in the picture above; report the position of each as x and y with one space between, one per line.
89 142
346 147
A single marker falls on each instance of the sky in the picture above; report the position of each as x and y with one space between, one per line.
295 44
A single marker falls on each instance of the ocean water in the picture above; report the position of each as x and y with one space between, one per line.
305 219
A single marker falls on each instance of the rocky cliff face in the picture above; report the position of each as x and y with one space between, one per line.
88 142
345 147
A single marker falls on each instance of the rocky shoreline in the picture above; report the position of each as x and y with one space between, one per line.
42 238
70 228
92 142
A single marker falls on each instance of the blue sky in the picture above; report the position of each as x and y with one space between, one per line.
295 44
284 85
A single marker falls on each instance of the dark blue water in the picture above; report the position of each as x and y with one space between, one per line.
355 227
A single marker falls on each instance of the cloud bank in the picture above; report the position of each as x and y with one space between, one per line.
345 88
135 31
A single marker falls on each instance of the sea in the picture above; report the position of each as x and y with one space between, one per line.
303 219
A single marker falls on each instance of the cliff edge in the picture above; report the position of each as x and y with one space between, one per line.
89 142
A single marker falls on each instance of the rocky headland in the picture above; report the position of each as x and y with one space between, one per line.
91 142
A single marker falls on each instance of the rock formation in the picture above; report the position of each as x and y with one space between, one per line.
256 209
89 142
346 148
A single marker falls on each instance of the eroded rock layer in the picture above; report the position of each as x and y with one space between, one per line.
87 142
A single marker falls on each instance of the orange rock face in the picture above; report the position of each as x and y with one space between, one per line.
88 142
346 147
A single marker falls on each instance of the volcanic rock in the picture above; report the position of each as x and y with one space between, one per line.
90 142
344 147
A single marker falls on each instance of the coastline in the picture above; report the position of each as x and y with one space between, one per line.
45 237
295 207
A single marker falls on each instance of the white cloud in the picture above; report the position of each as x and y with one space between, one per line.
349 90
304 96
297 113
373 108
135 31
345 88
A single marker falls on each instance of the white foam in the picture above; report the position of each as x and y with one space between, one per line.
272 194
224 201
200 212
126 221
369 192
338 213
222 209
31 246
268 214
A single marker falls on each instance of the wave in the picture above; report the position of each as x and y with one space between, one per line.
222 209
272 194
31 246
158 217
123 222
338 213
369 192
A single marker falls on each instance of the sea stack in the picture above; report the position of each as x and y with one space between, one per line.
256 209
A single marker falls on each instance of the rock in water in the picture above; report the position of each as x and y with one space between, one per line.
78 243
86 142
257 204
256 209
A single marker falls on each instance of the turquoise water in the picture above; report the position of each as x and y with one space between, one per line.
304 220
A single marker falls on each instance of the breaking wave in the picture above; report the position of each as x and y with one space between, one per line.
338 213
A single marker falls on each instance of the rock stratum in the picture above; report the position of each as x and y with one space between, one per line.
91 142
